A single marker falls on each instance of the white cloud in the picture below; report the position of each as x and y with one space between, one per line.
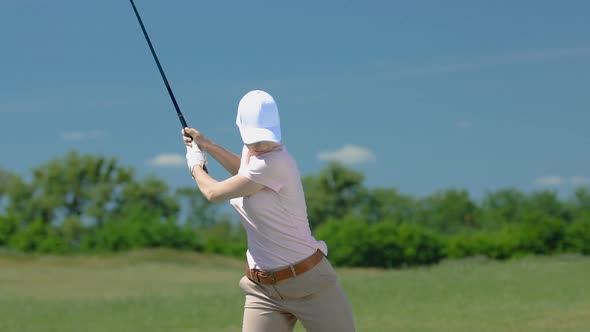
556 180
348 154
549 181
82 135
168 160
579 180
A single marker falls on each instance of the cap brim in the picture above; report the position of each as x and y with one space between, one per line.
253 135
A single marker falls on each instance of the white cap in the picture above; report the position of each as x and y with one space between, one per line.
258 118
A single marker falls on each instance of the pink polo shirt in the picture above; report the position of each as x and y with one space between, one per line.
275 218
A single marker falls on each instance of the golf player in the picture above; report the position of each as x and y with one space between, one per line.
288 276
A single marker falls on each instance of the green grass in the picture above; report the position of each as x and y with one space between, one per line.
170 291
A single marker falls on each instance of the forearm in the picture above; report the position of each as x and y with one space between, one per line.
204 182
229 160
219 191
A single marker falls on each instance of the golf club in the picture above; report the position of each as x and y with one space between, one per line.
147 38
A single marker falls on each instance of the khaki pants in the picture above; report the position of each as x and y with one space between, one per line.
314 297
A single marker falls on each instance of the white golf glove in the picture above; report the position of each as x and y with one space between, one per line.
194 157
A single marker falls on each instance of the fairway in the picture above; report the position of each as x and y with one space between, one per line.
163 290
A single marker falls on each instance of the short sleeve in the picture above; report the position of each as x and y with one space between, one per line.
263 170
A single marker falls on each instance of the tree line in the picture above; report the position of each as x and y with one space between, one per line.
88 203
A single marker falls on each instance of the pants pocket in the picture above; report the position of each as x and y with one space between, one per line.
308 283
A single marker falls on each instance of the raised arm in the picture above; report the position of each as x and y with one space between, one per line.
229 160
217 191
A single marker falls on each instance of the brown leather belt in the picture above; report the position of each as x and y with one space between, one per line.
272 277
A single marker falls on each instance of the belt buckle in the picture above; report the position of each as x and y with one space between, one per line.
258 274
273 278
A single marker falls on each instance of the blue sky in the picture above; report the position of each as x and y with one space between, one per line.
420 96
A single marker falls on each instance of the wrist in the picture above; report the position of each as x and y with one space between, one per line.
193 169
206 146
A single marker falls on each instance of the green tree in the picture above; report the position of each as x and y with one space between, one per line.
73 197
387 204
447 211
149 195
198 211
334 193
579 203
577 235
502 207
347 240
546 204
11 188
224 237
8 227
15 198
81 186
38 237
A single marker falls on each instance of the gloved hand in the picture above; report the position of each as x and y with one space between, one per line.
195 157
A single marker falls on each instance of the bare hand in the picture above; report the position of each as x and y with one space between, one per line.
191 134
